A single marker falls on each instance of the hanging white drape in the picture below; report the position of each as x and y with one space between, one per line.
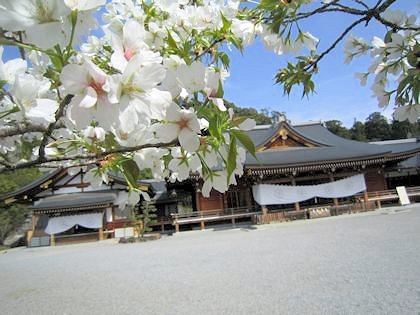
64 223
283 194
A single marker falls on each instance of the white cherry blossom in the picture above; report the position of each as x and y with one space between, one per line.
182 124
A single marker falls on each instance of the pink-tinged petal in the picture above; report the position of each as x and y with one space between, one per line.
183 172
220 182
189 140
45 35
194 162
74 78
133 34
44 110
205 190
149 76
95 72
220 104
79 116
129 119
193 123
173 164
89 98
93 177
158 102
173 112
167 132
118 61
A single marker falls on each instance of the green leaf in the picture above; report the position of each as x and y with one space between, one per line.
220 91
237 121
413 57
226 23
245 140
171 42
131 172
225 59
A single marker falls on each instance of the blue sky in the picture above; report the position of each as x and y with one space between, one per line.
339 94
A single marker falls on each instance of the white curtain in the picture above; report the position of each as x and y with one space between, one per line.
108 214
283 194
64 223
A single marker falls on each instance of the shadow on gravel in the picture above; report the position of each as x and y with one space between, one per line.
245 228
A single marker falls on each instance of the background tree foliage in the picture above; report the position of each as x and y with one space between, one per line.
375 128
10 181
11 217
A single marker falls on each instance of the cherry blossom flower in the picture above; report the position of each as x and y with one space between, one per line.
182 124
11 68
94 133
83 5
216 180
183 162
408 112
132 42
192 77
152 158
85 81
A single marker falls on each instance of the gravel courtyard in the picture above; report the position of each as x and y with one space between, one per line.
358 264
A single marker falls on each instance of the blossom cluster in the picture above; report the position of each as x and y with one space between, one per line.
130 88
394 65
147 93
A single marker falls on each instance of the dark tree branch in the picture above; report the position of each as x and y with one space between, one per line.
20 129
91 158
59 113
362 4
335 43
217 41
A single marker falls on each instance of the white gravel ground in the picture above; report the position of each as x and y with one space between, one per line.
358 264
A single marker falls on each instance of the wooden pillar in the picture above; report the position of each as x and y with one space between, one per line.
335 200
33 222
248 197
176 227
101 234
198 197
202 226
264 209
297 205
365 200
52 240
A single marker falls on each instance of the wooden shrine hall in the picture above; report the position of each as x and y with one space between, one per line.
306 162
309 154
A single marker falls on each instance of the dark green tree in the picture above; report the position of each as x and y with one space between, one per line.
357 131
377 127
337 128
11 217
146 216
404 129
10 181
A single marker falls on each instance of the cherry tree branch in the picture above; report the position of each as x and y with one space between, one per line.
59 113
335 43
21 128
87 158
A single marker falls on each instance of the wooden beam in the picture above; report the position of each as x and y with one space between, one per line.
335 200
297 205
